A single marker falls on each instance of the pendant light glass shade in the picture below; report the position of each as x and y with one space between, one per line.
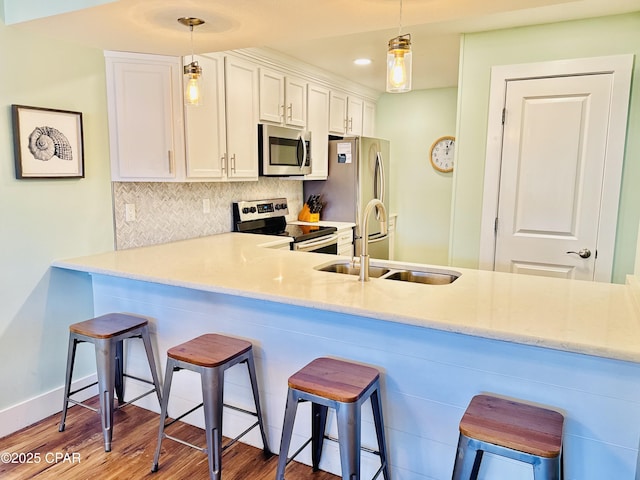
399 64
192 72
193 84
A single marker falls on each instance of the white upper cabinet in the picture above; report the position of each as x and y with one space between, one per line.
283 99
144 99
205 124
369 119
241 88
338 113
222 139
154 137
354 115
346 114
318 125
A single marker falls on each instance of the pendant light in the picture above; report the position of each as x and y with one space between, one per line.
192 71
399 61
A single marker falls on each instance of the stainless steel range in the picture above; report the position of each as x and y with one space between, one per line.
268 217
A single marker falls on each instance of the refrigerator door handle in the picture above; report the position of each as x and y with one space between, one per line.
378 181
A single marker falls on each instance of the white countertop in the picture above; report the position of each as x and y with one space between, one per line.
577 316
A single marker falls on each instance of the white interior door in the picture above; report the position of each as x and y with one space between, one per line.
554 150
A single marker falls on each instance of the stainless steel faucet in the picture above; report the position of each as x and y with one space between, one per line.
364 234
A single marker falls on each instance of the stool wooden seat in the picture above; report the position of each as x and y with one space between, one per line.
512 429
107 333
344 386
210 355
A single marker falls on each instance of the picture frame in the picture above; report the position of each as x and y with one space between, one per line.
48 143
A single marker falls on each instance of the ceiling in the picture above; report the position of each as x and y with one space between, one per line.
329 34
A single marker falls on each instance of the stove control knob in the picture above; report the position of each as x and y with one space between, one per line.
283 206
277 206
245 210
252 209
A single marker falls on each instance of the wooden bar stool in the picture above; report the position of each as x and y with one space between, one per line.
107 334
510 429
210 355
343 386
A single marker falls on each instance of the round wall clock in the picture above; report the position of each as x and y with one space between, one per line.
441 154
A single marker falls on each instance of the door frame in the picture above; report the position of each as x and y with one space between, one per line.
621 66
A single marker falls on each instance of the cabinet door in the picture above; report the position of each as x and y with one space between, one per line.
145 117
295 102
272 108
205 124
337 113
369 119
355 107
241 95
318 125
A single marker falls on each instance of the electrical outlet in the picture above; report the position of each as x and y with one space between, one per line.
130 212
206 205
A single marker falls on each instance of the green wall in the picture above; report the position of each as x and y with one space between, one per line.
42 220
419 194
588 38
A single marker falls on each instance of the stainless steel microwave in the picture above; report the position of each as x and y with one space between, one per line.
283 151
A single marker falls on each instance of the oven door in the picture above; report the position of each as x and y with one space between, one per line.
326 244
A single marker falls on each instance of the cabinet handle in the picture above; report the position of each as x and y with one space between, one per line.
290 109
233 163
282 111
223 163
170 156
351 124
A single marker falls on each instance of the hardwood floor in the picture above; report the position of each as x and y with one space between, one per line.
80 452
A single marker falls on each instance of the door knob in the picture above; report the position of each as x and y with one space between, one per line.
584 253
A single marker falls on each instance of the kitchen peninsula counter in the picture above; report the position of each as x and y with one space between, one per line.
583 317
570 345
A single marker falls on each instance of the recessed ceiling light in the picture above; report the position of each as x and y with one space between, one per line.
362 61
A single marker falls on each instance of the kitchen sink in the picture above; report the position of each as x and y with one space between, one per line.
353 269
393 272
431 278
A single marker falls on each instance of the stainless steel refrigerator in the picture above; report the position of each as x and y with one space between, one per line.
358 172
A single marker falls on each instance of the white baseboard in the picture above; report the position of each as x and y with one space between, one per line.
35 409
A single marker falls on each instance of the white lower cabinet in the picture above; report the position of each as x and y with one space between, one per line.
144 99
345 241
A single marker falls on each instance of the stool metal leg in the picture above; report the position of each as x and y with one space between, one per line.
71 356
348 416
106 367
287 432
376 405
256 399
146 339
119 373
318 427
468 458
547 469
163 410
212 395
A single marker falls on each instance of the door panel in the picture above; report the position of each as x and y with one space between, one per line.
554 149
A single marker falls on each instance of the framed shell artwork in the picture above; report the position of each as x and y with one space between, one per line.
48 143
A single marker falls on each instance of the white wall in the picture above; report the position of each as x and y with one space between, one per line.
419 194
41 220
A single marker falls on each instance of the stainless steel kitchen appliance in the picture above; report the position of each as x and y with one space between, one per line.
268 217
283 151
358 170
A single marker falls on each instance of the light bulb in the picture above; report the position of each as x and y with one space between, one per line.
192 90
398 72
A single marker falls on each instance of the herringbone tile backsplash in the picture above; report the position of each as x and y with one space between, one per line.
167 212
